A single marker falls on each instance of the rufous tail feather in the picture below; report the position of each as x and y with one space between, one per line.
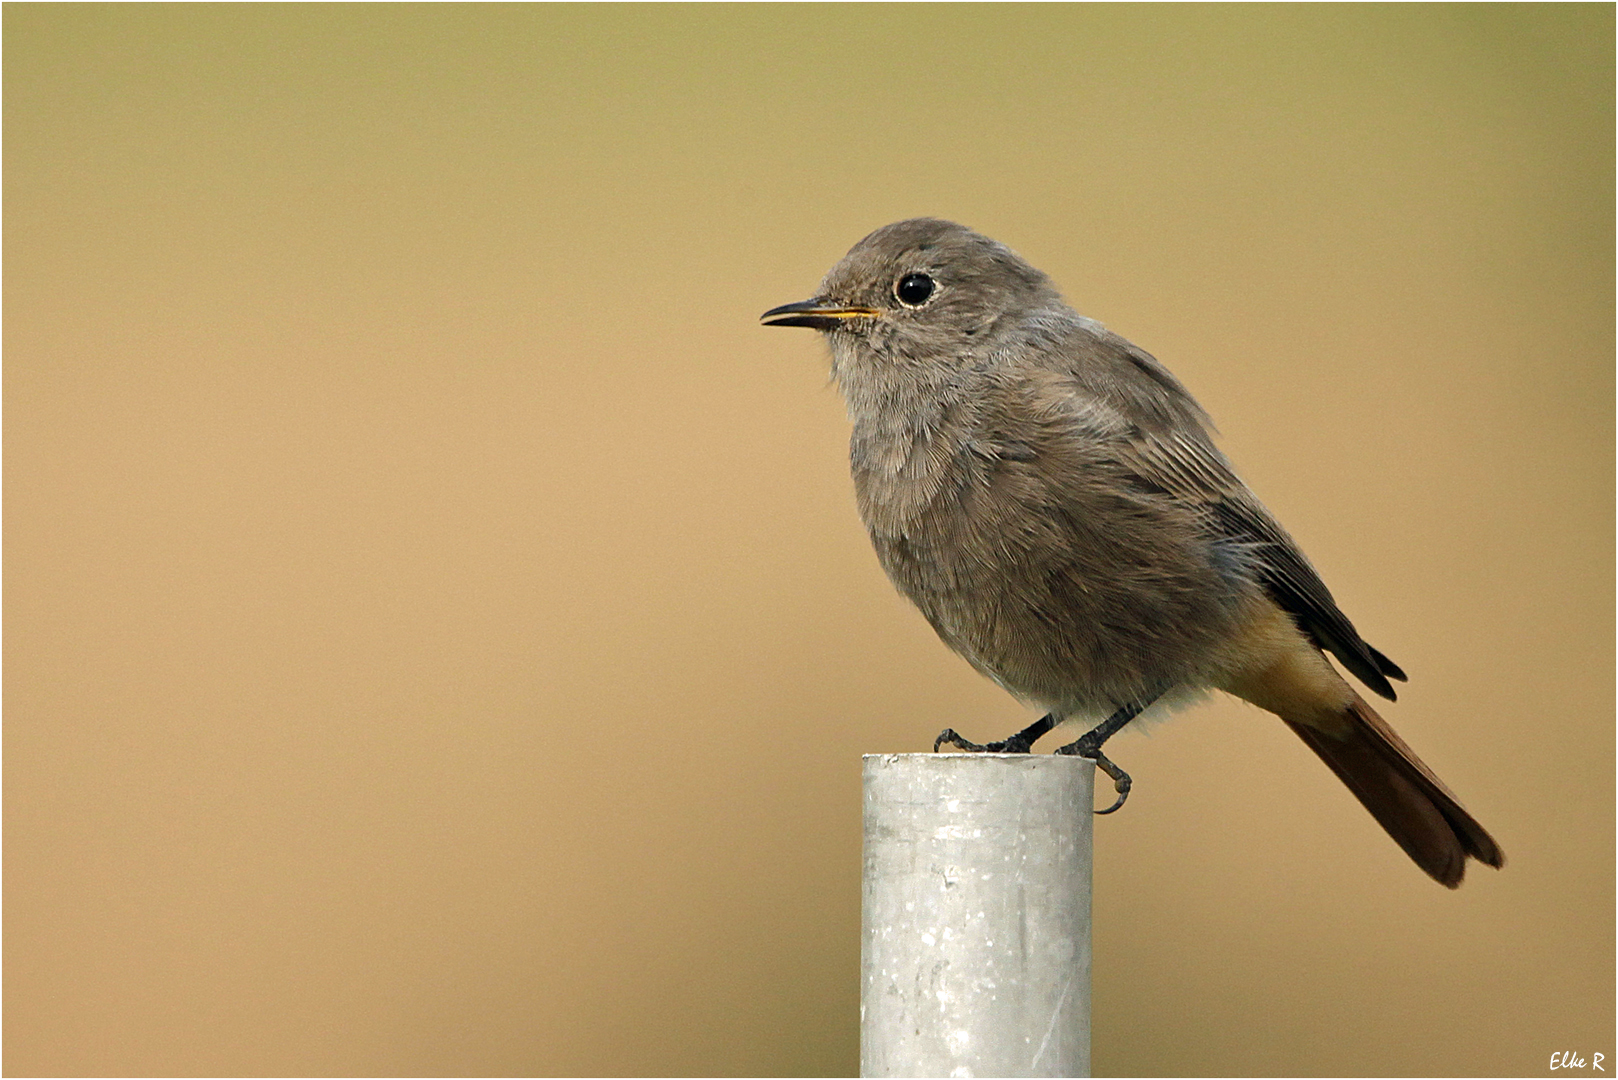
1401 792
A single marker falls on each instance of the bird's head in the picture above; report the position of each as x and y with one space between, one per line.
922 291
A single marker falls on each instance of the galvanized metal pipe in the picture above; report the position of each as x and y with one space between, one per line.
976 911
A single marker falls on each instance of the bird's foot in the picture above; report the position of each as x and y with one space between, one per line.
1121 783
1020 743
1016 744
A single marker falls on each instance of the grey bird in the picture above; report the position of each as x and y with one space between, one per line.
1051 498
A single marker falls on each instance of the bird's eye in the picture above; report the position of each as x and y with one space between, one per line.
913 289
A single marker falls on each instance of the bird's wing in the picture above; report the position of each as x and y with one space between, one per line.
1168 447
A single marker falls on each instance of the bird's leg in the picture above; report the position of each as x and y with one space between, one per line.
1088 745
1020 743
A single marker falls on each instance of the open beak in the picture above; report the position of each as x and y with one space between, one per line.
818 314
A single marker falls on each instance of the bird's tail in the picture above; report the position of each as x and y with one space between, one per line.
1402 793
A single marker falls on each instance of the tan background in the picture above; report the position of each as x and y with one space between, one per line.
439 635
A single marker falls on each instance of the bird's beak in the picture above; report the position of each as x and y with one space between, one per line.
818 314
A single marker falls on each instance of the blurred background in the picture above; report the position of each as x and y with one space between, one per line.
440 638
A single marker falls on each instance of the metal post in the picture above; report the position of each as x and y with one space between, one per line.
976 952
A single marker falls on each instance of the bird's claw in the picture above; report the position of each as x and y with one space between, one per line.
1121 783
1014 745
948 736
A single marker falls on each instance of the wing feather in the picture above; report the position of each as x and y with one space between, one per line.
1168 446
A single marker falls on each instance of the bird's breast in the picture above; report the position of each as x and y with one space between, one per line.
1041 568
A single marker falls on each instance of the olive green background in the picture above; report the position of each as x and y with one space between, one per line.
439 637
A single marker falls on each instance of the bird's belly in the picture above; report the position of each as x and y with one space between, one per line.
1077 625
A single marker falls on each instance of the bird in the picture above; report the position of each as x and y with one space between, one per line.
1051 498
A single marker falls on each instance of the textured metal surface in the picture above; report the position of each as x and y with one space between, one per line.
976 911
